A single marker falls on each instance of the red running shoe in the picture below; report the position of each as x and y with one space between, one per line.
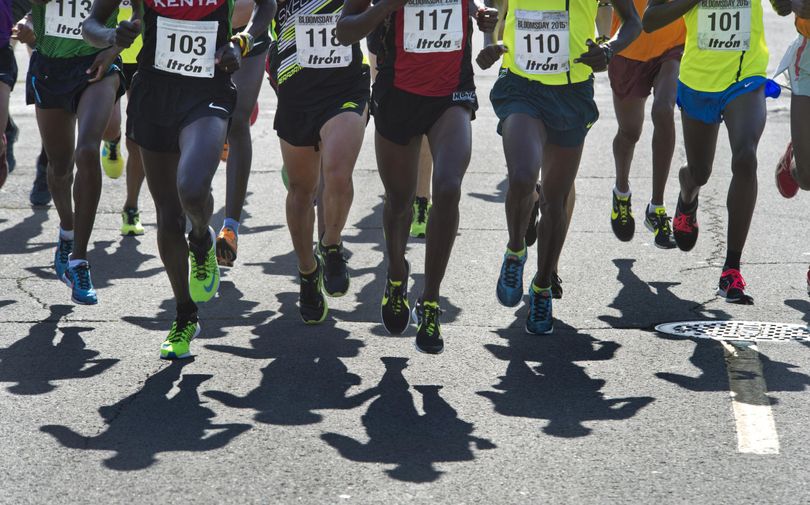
785 183
732 287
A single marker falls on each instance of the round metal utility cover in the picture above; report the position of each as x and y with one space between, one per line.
754 331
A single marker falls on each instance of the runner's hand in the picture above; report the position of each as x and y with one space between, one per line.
597 57
229 57
101 65
487 19
24 32
490 55
127 32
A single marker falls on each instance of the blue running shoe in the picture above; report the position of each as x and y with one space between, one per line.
78 280
61 257
510 282
539 321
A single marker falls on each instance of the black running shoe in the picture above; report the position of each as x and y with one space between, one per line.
657 222
732 287
429 333
395 310
335 274
556 286
40 195
621 218
531 229
685 228
311 301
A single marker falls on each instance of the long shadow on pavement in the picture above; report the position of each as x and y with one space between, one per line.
398 435
34 362
544 381
149 422
15 240
305 376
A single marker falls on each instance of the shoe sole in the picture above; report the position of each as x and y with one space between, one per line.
550 330
747 300
422 351
174 356
132 234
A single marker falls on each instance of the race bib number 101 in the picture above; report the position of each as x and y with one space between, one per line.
63 18
186 47
433 26
541 41
724 25
316 42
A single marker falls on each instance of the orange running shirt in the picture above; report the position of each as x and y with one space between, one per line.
651 45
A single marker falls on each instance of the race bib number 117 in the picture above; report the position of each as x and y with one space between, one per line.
433 26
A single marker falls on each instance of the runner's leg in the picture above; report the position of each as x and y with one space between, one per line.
523 160
630 117
663 118
800 132
303 167
57 128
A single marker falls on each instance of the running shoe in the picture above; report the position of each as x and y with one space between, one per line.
226 247
556 286
311 301
178 344
61 257
539 321
531 229
111 160
336 278
395 310
732 287
510 283
685 228
621 218
40 195
421 211
203 279
131 222
12 134
429 332
658 222
785 182
78 280
224 155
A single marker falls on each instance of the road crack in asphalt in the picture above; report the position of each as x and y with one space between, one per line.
31 294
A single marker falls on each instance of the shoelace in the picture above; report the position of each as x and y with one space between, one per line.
540 306
683 223
113 154
82 276
309 284
65 248
422 211
395 298
511 274
430 318
624 210
555 280
661 221
199 269
132 217
182 335
736 282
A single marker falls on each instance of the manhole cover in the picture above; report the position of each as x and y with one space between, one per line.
737 330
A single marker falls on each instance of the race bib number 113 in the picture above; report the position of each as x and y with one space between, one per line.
63 18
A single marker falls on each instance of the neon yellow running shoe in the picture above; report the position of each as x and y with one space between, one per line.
203 279
421 211
111 159
177 344
131 222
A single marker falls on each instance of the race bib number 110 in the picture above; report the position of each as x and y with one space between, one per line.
541 43
186 47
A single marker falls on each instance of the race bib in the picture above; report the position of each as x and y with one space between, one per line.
316 42
186 47
541 41
63 18
433 26
724 25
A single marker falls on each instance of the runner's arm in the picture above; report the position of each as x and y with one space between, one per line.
485 17
358 19
604 20
660 13
97 34
263 15
493 49
630 28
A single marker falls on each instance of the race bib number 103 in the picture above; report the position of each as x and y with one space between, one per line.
186 47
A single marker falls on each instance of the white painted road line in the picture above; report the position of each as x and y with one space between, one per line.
756 428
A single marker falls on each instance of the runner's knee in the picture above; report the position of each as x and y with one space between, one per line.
447 190
744 161
522 182
86 155
663 115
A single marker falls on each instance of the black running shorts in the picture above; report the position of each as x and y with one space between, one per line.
58 83
161 106
400 116
8 67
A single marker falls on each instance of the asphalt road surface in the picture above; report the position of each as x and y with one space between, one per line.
606 410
